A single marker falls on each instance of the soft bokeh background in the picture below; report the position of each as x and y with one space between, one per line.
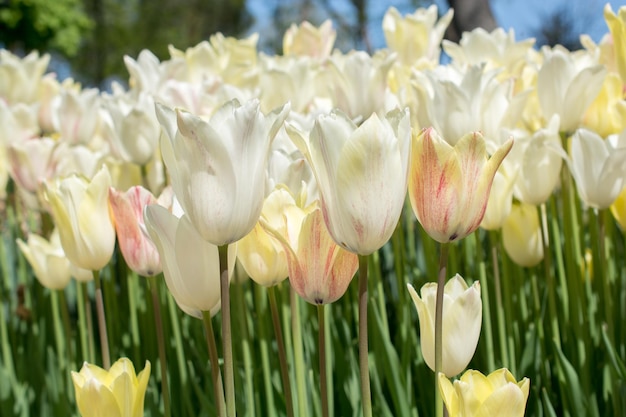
89 37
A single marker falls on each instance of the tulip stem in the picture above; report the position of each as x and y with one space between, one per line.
102 322
218 388
296 331
366 397
441 282
158 323
322 356
227 342
282 357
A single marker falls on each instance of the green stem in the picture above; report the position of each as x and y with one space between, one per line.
441 282
322 356
218 389
158 324
549 276
366 396
282 357
245 346
102 323
58 331
67 329
227 342
487 321
298 353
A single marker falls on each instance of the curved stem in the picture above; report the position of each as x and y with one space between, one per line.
102 323
158 323
282 357
227 342
441 282
322 355
216 375
366 397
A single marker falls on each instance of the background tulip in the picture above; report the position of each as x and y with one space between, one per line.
81 212
46 257
462 320
521 235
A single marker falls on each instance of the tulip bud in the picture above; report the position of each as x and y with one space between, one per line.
117 392
49 263
477 395
462 320
521 235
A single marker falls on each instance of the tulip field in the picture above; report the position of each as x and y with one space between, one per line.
317 232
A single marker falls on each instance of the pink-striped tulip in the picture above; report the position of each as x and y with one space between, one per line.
139 252
319 270
449 186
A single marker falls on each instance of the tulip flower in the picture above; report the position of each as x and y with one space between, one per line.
598 167
361 174
617 27
190 264
138 250
50 265
567 87
462 320
260 253
500 200
308 40
618 209
449 186
477 395
218 167
81 212
117 392
521 235
319 270
77 117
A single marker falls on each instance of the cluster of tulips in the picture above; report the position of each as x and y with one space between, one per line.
298 166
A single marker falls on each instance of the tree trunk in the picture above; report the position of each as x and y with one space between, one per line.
468 15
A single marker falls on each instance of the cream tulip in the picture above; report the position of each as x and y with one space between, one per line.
449 186
361 174
47 259
308 40
81 213
598 167
521 235
462 321
477 395
190 264
218 167
617 27
117 392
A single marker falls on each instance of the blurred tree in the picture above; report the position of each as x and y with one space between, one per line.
125 27
561 27
468 15
44 25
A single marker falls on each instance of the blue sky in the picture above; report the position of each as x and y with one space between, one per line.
524 16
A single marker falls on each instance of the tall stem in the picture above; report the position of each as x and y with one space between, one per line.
158 323
102 323
216 375
441 282
322 354
227 342
366 397
282 357
298 354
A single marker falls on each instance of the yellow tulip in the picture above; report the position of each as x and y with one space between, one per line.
117 392
308 40
521 235
449 186
81 212
618 209
617 27
477 395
